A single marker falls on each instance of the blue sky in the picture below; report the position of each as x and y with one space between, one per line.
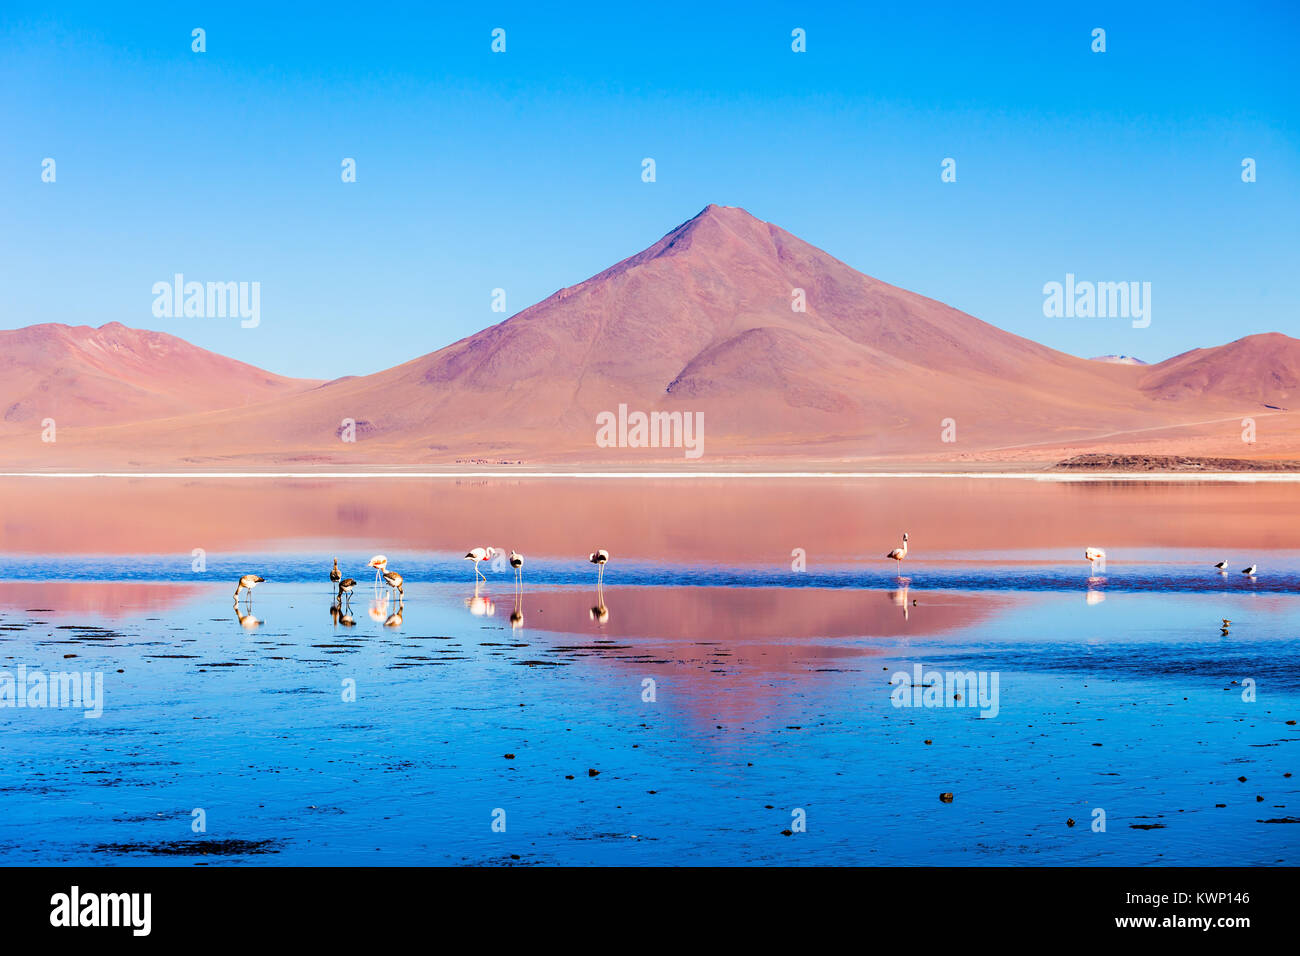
523 170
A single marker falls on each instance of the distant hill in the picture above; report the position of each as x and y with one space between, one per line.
80 376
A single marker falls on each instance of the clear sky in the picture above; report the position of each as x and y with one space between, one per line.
522 170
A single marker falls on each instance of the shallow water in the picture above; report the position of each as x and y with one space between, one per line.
763 616
772 694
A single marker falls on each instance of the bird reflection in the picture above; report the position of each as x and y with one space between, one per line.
395 619
517 615
900 598
1094 596
246 621
480 605
379 608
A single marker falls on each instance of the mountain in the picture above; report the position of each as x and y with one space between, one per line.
1259 369
707 322
83 376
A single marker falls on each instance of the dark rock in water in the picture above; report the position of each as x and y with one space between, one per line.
946 797
592 772
1241 779
1220 804
1069 822
1258 798
787 833
929 742
510 756
568 776
1146 826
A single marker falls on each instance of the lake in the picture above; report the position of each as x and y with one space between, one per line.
741 691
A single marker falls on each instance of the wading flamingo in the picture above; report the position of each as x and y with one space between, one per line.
247 583
1094 556
394 580
478 556
1250 570
599 558
1223 567
898 554
345 589
517 562
380 563
335 575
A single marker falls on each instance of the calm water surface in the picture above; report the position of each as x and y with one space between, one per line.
1118 693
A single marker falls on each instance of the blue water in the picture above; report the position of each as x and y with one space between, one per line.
1278 573
1123 696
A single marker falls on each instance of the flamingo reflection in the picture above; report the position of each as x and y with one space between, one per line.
480 605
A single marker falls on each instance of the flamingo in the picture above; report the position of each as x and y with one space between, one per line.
1094 556
247 583
1223 567
479 555
335 575
394 580
380 563
517 562
898 554
345 589
598 558
1250 570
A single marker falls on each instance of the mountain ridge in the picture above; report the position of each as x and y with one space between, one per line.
707 319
